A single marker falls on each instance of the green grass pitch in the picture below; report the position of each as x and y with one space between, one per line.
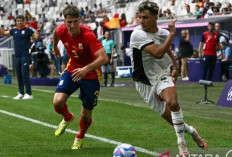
121 115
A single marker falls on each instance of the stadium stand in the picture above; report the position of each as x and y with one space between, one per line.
120 6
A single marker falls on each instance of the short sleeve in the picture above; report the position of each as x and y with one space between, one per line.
30 32
202 38
139 39
112 44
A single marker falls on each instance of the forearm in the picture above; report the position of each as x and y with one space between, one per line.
162 49
200 49
112 54
101 60
187 37
159 51
55 39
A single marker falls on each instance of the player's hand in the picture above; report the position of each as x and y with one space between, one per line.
199 55
57 52
111 61
171 26
78 74
175 74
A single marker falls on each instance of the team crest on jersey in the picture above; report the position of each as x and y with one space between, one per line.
80 46
23 32
66 43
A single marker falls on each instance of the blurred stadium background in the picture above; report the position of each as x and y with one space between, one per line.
121 114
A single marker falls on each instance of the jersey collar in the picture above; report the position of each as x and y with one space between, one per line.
21 28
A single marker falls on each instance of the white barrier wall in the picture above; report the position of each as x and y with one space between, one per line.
6 57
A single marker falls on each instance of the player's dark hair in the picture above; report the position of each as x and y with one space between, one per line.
20 17
72 11
211 23
148 5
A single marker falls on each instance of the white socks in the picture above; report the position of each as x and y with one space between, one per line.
188 129
179 125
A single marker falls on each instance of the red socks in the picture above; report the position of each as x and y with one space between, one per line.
64 112
83 128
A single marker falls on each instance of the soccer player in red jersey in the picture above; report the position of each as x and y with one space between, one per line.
83 71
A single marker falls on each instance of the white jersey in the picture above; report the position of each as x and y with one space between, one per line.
146 68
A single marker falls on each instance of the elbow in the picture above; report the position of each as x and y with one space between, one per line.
159 56
158 53
105 60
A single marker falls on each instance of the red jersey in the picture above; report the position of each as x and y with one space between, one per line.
80 49
34 24
210 40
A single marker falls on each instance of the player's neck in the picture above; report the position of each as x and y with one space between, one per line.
154 30
75 34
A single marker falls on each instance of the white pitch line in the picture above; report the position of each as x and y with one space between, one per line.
139 149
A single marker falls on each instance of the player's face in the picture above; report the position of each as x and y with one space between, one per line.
183 33
148 21
210 28
72 24
107 35
217 26
222 46
19 22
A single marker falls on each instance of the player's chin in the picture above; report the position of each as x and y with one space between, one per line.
143 27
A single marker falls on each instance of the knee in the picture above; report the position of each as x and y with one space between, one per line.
57 103
173 104
86 115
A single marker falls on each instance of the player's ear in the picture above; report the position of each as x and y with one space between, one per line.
156 17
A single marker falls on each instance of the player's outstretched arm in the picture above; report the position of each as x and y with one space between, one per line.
159 51
102 59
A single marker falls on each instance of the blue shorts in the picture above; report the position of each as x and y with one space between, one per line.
89 89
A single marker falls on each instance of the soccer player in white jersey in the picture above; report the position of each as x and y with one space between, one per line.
152 62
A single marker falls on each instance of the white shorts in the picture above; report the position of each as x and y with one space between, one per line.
152 93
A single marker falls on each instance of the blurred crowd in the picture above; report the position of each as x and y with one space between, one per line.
202 9
99 16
